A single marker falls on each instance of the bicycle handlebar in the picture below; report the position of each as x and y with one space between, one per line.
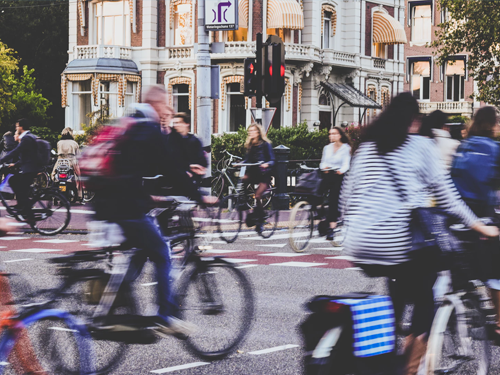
248 164
153 178
231 155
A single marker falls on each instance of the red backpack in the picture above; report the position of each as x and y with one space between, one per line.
99 162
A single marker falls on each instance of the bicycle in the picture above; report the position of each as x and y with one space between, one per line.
458 342
222 175
25 335
49 210
230 216
309 212
208 290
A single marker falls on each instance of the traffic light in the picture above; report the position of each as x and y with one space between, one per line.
274 69
250 79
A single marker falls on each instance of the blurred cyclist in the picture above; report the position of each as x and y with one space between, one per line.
393 173
127 202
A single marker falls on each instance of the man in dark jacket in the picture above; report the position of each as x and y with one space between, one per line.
27 156
126 202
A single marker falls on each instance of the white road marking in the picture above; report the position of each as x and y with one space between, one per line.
150 284
16 224
248 266
36 250
275 349
354 269
328 248
222 242
280 245
82 212
3 247
13 238
63 329
180 367
237 260
17 260
57 241
299 264
284 255
222 251
342 257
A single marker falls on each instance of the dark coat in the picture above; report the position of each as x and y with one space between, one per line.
27 154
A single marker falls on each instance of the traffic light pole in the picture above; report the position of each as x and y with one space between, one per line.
259 91
203 86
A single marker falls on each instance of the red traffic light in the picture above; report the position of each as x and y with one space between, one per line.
251 68
271 70
282 70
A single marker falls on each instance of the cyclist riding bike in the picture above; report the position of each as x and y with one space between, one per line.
476 174
26 154
258 149
126 201
392 174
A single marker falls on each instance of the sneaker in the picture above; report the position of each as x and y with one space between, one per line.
329 236
174 327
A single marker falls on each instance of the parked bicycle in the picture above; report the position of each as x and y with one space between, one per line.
231 212
308 213
223 184
49 210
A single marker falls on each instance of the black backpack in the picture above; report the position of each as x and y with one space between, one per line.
43 152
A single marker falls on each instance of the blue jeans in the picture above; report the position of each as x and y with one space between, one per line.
143 235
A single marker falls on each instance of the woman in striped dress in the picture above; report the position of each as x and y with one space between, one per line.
392 173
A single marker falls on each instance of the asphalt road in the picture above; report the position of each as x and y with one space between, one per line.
282 281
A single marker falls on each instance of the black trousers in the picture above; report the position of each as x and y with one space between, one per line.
332 182
21 183
411 282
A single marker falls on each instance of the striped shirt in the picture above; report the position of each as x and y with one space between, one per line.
377 215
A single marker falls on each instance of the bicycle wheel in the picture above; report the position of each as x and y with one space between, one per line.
51 212
41 180
271 218
458 342
54 342
218 299
204 219
266 198
229 218
218 185
301 226
81 300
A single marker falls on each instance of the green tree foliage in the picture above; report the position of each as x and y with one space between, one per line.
19 96
473 26
48 134
38 31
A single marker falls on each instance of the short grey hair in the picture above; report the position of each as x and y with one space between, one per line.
151 93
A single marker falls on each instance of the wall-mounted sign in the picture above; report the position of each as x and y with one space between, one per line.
221 15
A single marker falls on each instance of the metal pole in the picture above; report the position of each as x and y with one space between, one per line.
203 85
260 70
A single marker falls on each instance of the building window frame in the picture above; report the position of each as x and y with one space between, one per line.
425 97
327 40
173 34
451 93
412 7
77 109
98 21
233 89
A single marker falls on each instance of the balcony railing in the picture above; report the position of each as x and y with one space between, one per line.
446 107
378 63
333 57
180 53
101 51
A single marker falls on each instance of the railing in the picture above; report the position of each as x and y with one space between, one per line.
301 52
378 63
180 53
447 107
331 56
240 48
101 51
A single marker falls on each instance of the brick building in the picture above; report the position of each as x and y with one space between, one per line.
336 51
446 87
